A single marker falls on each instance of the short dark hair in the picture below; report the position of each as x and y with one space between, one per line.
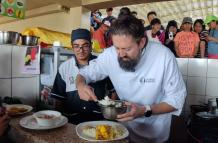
201 22
109 9
124 11
172 23
155 21
128 25
151 12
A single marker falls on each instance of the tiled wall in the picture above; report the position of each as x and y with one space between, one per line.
12 81
201 78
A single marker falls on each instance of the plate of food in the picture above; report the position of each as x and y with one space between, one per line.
101 131
30 122
18 109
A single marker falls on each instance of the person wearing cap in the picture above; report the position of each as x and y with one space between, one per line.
186 41
156 34
171 31
64 90
212 38
99 36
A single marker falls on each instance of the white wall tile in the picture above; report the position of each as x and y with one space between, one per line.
185 78
212 88
5 61
197 67
26 89
196 85
5 87
193 100
183 65
212 68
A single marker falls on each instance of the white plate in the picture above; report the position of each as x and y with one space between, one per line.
29 108
30 122
81 126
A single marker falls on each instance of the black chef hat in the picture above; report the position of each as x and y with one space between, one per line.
80 34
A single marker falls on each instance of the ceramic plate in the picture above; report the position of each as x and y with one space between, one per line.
80 130
18 109
30 122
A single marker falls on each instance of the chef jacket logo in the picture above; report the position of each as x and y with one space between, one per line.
71 79
147 80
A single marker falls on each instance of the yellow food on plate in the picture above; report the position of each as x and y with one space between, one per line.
104 132
16 110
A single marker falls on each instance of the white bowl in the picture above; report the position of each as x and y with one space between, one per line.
47 117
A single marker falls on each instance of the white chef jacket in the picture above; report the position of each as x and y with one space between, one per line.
156 79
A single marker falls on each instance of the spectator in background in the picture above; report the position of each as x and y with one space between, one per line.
156 34
186 41
109 12
99 35
143 21
124 11
212 38
107 35
171 31
134 13
150 16
95 19
199 28
181 27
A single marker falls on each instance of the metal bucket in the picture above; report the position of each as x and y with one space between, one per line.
9 37
29 40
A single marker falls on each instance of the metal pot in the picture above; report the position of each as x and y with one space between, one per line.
29 40
110 112
9 37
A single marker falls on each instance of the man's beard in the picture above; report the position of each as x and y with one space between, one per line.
128 65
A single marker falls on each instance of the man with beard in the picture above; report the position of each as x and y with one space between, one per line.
143 73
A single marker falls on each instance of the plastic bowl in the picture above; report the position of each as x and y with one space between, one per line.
47 117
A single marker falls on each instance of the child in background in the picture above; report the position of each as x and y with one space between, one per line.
171 31
199 28
212 38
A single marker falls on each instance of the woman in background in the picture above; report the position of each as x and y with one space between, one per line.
171 31
156 34
199 28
